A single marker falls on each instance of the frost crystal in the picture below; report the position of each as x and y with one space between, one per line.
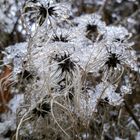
16 55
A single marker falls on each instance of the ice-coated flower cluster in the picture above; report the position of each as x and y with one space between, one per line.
78 61
67 54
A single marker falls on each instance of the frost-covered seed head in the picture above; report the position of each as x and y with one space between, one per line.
112 61
57 38
65 63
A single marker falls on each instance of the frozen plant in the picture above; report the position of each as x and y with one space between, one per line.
78 64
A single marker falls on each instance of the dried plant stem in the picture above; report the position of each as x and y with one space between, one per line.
56 120
18 127
119 116
132 114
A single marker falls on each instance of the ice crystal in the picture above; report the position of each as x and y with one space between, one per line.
16 54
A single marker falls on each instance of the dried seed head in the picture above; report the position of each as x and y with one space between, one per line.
51 11
57 38
113 60
92 31
42 14
65 63
91 28
42 109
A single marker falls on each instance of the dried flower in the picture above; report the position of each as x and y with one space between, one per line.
65 63
57 38
42 109
92 31
113 60
38 12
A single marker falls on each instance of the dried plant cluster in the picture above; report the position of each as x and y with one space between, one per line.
74 72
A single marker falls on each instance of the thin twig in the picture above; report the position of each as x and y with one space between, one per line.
132 114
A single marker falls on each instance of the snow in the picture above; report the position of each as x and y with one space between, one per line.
9 119
16 54
137 136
